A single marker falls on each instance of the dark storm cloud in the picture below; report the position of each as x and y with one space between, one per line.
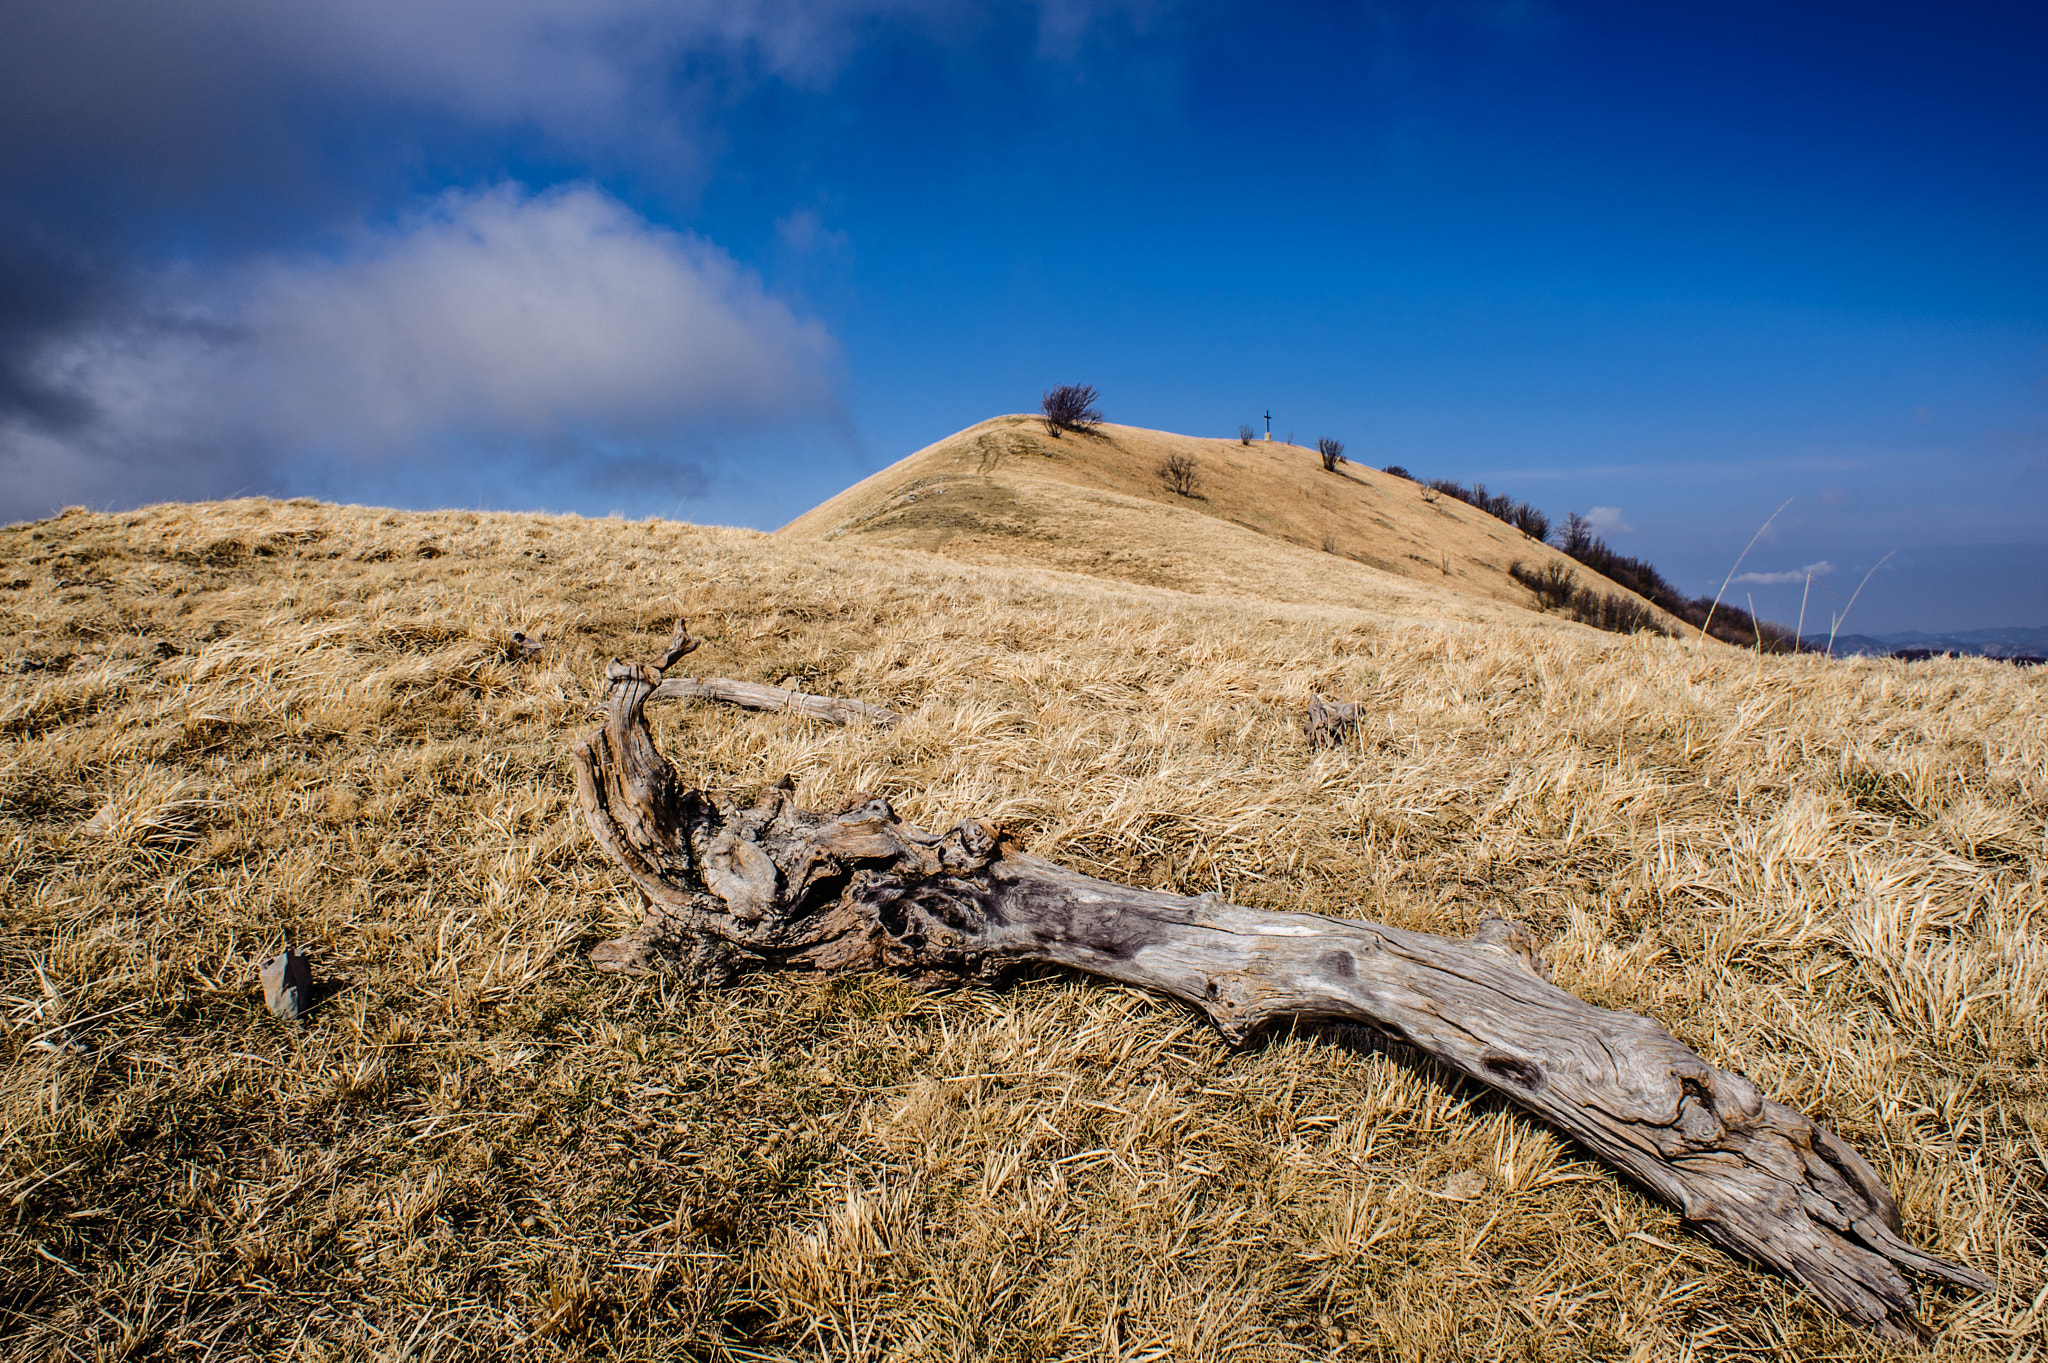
42 291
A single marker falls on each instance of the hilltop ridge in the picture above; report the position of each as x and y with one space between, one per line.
1266 520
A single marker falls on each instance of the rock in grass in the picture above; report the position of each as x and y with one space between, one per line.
287 984
1462 1186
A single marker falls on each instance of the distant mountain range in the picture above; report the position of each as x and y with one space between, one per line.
2011 642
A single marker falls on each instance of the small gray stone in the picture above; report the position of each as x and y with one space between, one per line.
287 984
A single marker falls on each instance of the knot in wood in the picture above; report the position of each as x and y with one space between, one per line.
741 874
1697 1122
1512 942
619 670
1232 1003
1514 1069
971 846
926 923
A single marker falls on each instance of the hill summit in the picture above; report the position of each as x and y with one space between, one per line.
1262 519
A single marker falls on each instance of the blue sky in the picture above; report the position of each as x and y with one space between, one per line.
1668 265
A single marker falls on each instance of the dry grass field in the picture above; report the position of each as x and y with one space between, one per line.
224 725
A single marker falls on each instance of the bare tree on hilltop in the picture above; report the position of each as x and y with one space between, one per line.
1332 452
1070 407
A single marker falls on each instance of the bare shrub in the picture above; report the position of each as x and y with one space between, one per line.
1553 584
1332 452
1615 614
1529 521
1245 435
1070 407
1556 587
1181 473
1398 472
1575 536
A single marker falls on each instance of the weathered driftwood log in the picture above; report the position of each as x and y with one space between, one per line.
860 889
1328 723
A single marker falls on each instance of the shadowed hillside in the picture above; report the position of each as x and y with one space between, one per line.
226 725
1266 520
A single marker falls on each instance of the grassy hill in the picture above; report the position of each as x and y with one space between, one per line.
221 725
1266 521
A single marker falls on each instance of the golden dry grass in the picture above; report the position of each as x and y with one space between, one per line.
220 725
1266 521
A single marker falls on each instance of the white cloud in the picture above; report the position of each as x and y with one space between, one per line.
1606 520
1790 575
488 325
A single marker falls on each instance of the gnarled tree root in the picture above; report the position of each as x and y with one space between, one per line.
860 889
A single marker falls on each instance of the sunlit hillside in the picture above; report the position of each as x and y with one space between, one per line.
1263 520
223 726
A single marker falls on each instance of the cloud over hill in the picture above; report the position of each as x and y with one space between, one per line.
519 325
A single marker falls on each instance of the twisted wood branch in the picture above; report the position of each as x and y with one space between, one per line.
777 884
760 696
757 695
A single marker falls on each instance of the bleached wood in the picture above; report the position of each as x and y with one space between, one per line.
777 884
760 696
755 695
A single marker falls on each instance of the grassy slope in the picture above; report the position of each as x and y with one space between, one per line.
297 720
1267 520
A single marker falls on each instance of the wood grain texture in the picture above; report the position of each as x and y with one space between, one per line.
760 696
725 885
752 695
